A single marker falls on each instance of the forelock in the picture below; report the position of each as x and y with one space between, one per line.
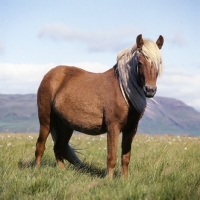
150 50
152 53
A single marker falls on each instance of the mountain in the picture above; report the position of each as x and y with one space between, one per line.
18 113
170 116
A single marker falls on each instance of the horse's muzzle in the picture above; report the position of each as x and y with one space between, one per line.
149 91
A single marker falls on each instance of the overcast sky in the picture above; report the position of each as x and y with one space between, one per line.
36 35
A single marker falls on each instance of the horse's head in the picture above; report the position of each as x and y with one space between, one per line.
149 64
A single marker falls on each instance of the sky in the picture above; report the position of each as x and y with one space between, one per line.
36 36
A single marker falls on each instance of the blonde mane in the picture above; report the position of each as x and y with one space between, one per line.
150 50
127 72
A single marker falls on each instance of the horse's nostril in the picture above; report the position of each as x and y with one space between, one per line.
147 88
150 89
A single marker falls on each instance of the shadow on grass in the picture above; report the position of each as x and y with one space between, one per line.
30 163
91 169
85 168
26 164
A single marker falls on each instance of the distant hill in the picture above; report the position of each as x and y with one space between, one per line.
170 116
18 113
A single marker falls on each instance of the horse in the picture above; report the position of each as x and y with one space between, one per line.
112 102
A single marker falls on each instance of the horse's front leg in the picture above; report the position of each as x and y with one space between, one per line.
112 141
127 139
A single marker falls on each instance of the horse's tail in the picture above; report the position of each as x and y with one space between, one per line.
69 153
71 156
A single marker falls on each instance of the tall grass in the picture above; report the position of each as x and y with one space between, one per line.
162 167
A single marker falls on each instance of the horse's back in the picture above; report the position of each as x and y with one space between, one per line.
75 96
59 77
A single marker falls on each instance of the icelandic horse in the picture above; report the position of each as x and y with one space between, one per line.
111 102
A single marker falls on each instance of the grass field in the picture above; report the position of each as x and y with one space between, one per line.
162 167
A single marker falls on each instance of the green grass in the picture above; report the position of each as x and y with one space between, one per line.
162 167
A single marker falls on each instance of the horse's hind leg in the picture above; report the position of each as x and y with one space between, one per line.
40 144
44 111
63 135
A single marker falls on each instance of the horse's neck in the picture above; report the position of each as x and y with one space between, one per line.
127 76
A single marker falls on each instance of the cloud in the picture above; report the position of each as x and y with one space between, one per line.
180 84
96 40
25 78
178 39
59 31
21 78
2 47
175 82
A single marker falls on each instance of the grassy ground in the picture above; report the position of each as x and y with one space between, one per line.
162 167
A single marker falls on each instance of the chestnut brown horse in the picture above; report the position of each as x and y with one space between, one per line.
71 99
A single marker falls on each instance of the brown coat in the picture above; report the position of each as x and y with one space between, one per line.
70 99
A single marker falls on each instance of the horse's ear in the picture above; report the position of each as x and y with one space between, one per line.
160 41
139 41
